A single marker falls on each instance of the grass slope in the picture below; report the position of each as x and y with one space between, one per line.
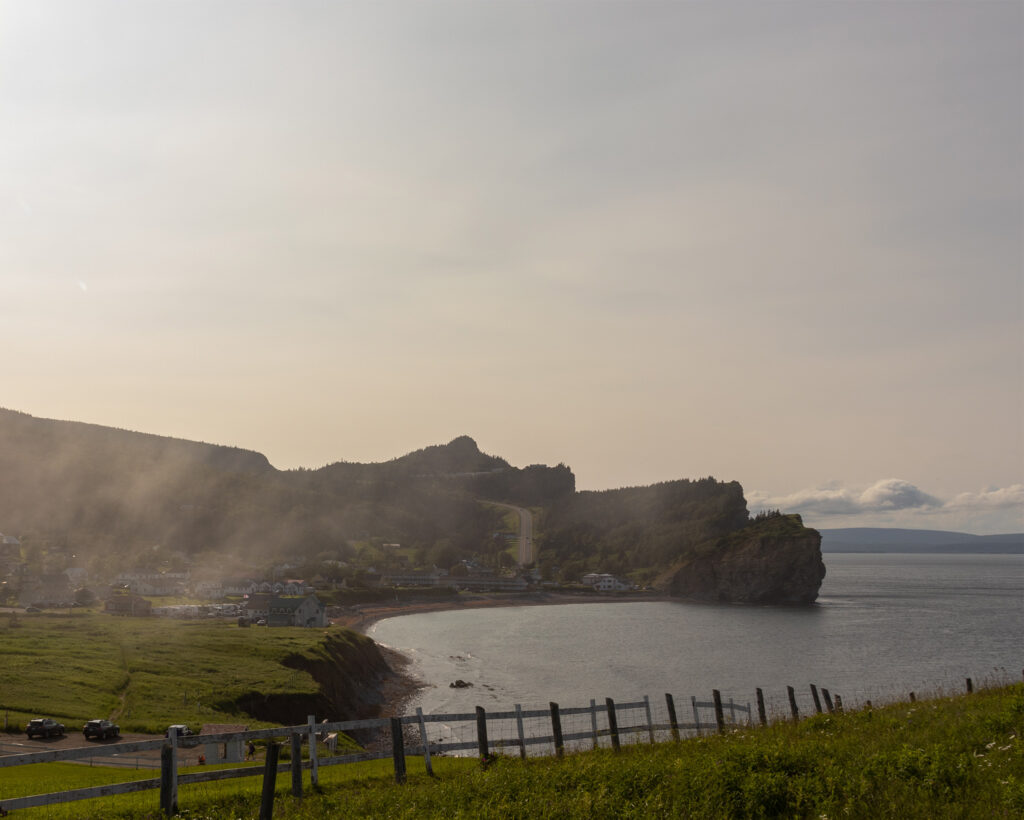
959 757
144 672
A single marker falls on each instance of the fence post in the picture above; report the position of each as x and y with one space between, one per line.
314 768
814 696
913 698
760 708
716 696
296 764
696 714
828 700
398 749
593 721
970 686
519 730
792 704
732 711
672 721
166 764
174 771
481 733
424 741
839 704
650 721
613 723
556 729
269 781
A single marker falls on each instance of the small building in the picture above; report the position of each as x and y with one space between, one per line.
229 751
153 583
279 610
488 582
239 586
603 582
414 578
51 589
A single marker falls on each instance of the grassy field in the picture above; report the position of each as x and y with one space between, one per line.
960 757
145 673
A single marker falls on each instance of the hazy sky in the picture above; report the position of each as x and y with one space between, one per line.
779 243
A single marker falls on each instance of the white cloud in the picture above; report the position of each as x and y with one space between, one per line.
823 500
895 494
894 502
885 495
990 498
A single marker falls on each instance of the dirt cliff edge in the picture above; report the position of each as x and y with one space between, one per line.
352 673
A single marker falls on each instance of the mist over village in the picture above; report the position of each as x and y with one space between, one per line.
511 409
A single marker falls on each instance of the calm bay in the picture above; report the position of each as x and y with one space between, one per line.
884 625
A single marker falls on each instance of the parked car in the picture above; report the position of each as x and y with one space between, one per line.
178 729
44 727
101 729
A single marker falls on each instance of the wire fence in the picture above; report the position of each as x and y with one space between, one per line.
551 730
544 730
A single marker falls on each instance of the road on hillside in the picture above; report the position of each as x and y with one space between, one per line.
525 532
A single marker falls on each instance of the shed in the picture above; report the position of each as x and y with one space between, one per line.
231 751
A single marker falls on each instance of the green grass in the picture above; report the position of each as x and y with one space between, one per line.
960 757
145 672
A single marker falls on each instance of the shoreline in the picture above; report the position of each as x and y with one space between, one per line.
360 618
400 688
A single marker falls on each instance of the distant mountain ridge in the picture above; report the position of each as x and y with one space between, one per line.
894 539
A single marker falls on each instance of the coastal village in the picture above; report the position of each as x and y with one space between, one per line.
280 601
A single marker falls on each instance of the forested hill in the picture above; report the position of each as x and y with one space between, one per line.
641 527
116 498
107 494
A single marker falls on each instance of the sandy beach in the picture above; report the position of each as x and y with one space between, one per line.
361 617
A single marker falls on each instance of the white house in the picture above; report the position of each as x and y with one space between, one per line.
278 610
603 582
211 590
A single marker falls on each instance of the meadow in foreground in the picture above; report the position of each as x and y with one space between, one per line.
944 757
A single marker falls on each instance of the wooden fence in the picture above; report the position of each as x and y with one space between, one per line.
481 733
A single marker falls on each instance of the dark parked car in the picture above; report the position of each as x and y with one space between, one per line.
101 729
44 727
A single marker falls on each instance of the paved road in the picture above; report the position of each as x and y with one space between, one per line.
525 532
13 744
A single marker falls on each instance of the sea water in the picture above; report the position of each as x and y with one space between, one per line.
884 625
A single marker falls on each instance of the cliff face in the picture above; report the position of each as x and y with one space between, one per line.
351 670
773 561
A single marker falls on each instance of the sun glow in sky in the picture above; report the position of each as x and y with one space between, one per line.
777 243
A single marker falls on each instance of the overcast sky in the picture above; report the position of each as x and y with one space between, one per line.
778 243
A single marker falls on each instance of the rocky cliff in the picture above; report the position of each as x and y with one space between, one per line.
351 671
776 560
